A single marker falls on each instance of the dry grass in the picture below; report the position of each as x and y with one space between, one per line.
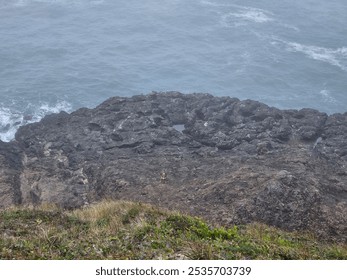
126 230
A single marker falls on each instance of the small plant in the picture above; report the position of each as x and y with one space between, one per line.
131 214
200 251
198 228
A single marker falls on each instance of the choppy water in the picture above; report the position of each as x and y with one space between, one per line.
64 54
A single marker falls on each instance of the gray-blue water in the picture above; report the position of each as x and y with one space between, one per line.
64 54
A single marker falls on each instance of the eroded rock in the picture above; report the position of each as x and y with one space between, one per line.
227 160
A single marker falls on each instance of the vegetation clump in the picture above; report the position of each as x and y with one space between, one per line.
126 230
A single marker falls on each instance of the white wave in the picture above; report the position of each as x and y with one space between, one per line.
9 123
336 57
11 120
45 108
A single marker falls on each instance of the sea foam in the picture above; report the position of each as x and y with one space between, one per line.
336 57
11 120
239 15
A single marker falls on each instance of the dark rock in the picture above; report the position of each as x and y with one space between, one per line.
228 160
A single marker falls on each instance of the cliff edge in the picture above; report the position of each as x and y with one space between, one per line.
227 160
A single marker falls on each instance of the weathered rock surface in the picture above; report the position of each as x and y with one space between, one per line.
227 160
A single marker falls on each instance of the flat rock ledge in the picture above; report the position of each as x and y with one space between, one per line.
230 161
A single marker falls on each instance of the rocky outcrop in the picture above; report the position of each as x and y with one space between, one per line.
227 160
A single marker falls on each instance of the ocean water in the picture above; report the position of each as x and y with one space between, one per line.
64 54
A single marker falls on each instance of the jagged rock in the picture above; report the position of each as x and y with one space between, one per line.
228 160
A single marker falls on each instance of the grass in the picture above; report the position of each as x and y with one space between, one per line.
125 230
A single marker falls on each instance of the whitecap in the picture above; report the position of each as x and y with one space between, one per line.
336 57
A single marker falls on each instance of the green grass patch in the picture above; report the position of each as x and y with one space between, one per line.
125 230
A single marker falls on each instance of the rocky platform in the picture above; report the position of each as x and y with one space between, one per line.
226 160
